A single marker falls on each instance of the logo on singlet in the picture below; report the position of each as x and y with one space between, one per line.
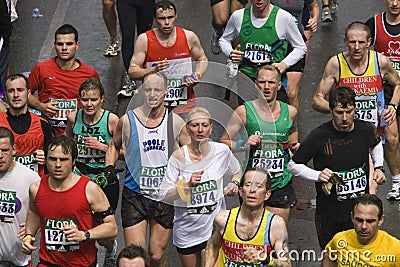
153 144
153 131
394 47
247 30
90 130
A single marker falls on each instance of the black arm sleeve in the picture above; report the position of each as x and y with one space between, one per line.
371 25
47 132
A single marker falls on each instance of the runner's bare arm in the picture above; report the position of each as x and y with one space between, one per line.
115 143
136 70
197 52
214 243
236 122
112 123
329 79
32 221
99 203
71 117
180 132
279 240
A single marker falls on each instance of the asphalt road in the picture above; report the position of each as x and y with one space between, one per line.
32 42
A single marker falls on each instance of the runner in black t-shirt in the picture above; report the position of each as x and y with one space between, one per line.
340 146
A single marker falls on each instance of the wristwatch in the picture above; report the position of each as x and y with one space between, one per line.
87 235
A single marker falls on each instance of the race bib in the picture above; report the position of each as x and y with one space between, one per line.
203 198
55 238
178 68
28 160
270 157
271 165
150 180
87 152
258 57
355 184
366 109
396 66
7 206
175 90
64 107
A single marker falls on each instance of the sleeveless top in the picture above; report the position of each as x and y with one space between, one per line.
147 151
26 144
60 208
367 86
273 152
93 158
233 247
179 57
386 43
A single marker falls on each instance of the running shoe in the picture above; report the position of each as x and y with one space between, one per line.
215 49
394 194
112 49
128 88
110 258
333 6
326 15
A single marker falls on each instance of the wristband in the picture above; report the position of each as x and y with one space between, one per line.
198 75
240 145
236 181
393 106
26 237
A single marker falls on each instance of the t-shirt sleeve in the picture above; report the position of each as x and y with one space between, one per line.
31 175
233 163
171 176
34 79
331 244
47 132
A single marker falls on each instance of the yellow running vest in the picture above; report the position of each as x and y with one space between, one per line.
367 86
231 253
